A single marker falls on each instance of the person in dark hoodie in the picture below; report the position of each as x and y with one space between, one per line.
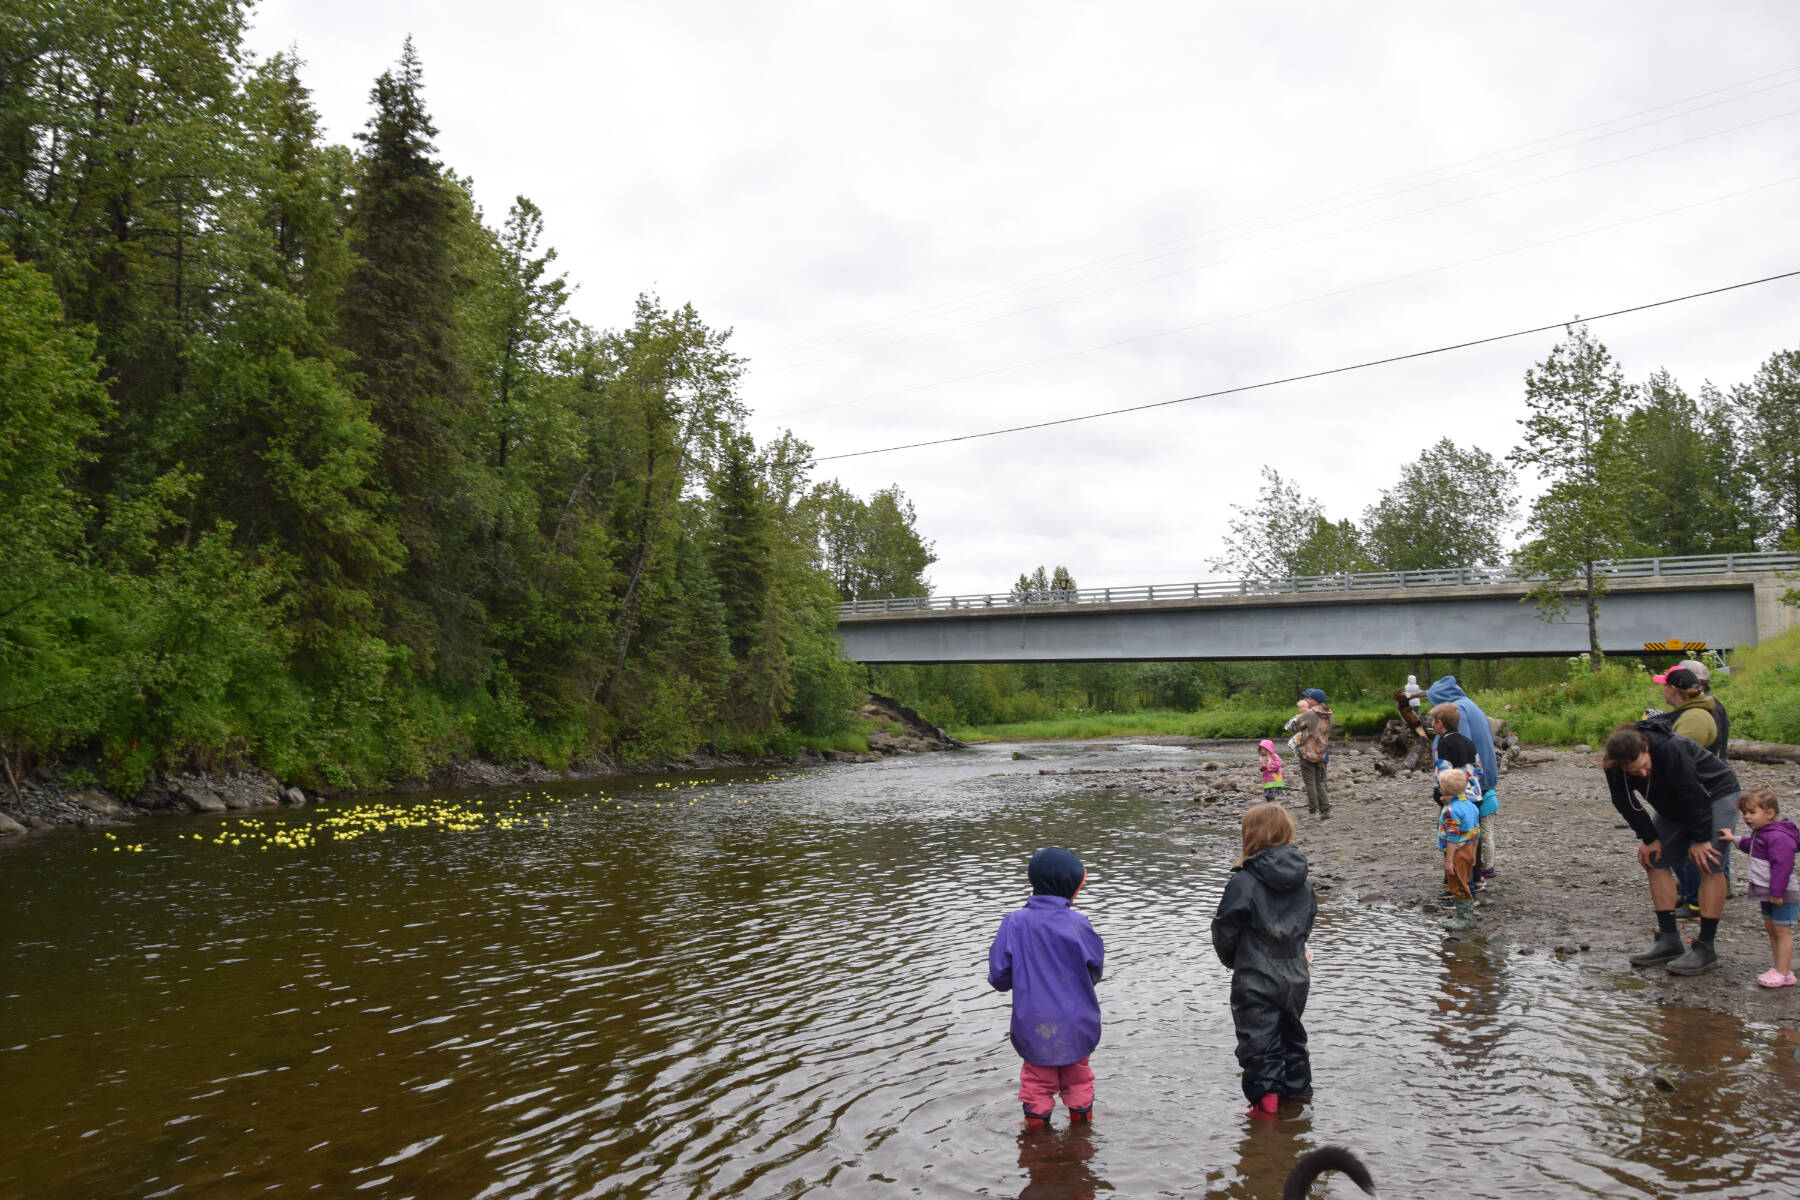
1678 797
1687 877
1049 957
1260 932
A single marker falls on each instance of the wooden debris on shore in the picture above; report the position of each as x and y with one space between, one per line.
1762 752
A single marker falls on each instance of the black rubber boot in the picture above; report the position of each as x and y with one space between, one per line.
1699 959
1667 948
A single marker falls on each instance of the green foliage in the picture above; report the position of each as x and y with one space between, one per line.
357 496
1451 508
1285 533
870 549
1578 399
1691 472
1763 691
1584 706
1226 721
1770 407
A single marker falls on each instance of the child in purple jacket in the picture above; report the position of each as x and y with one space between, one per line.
1049 957
1771 845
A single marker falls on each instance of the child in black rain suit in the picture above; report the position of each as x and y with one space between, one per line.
1260 932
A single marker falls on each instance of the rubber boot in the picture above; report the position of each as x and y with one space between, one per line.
1699 959
1265 1108
1036 1120
1464 918
1666 948
1082 1116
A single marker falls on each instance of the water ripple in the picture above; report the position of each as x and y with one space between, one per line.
754 985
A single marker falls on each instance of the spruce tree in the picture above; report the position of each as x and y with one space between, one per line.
399 313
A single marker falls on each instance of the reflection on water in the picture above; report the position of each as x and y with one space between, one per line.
743 985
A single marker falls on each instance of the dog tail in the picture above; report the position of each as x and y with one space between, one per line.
1315 1163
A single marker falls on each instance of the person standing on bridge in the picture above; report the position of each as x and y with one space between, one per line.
1312 742
1679 798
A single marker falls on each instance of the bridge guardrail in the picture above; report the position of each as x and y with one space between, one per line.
1629 568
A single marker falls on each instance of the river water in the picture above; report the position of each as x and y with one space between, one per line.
773 984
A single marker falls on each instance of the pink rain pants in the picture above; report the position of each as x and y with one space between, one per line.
1038 1086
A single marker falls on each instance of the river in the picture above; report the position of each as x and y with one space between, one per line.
773 984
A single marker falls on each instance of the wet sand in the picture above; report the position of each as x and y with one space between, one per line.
1566 873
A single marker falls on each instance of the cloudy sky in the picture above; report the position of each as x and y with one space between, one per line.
924 220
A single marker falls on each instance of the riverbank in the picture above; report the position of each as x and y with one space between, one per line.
1567 881
55 800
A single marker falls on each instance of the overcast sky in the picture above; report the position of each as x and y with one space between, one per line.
931 219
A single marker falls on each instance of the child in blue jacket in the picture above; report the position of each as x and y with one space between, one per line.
1459 834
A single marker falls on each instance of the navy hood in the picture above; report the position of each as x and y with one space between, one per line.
1055 872
1280 868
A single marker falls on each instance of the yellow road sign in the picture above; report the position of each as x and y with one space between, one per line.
1675 645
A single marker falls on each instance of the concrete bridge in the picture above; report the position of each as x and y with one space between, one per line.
1725 601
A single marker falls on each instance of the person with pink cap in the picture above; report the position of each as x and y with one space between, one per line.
1691 712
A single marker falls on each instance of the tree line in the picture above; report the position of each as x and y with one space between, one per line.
307 463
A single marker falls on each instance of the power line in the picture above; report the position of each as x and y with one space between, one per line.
1284 305
1317 237
911 316
1269 383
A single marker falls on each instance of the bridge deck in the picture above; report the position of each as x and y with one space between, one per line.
1723 610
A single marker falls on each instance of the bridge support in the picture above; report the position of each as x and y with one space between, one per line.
1773 618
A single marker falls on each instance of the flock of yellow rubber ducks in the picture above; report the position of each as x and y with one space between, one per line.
443 815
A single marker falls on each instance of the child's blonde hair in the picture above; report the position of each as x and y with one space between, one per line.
1759 795
1265 827
1453 782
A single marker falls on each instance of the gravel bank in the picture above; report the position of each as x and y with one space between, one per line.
1568 881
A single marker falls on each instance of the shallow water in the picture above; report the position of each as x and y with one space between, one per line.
769 985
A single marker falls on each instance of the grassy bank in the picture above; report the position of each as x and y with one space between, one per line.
1223 721
1762 695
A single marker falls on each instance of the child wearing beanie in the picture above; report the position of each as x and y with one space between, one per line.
1049 957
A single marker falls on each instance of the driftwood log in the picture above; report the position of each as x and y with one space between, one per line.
1763 752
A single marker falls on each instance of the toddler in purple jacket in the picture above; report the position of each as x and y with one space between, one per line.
1049 957
1771 846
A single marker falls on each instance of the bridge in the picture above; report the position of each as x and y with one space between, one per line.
1724 600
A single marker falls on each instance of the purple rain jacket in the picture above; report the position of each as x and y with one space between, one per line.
1772 851
1049 957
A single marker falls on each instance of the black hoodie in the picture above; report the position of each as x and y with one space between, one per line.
1265 917
1685 780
